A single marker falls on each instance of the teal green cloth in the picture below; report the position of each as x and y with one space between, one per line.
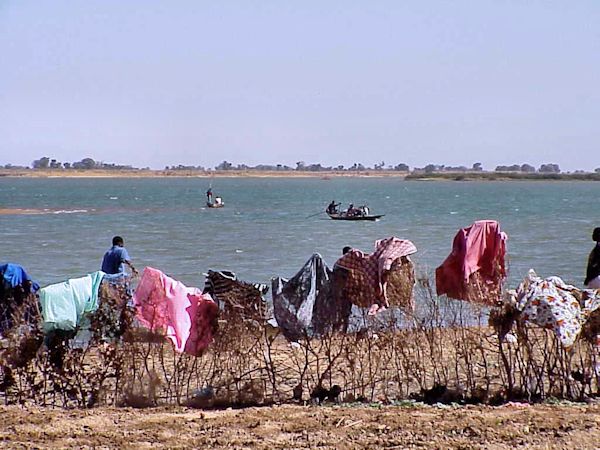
65 304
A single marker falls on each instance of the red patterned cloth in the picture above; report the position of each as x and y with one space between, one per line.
365 276
476 267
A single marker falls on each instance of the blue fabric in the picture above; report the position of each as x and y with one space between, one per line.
14 275
113 260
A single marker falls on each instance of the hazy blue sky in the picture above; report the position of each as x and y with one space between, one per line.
448 82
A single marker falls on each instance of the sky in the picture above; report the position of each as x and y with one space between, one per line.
156 83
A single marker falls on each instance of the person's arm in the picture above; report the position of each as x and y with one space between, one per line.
127 260
133 269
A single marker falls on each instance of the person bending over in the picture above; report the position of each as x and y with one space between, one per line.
115 258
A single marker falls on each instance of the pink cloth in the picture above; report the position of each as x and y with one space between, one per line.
183 314
365 284
479 249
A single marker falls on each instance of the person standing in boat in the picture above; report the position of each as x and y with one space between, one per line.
209 195
332 208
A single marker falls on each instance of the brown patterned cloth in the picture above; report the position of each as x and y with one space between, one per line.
236 298
384 278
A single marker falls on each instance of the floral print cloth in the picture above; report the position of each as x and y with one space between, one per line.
553 304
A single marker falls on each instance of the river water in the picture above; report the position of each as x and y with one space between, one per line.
263 231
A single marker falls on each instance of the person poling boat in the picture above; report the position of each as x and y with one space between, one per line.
218 201
332 208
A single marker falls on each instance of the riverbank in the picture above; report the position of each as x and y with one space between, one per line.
415 176
99 173
501 176
328 427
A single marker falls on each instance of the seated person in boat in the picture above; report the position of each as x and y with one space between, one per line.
353 212
218 201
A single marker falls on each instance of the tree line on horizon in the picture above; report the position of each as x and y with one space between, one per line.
45 163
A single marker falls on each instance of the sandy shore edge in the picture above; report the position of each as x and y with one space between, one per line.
192 174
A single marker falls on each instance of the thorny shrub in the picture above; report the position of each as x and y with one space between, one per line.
443 351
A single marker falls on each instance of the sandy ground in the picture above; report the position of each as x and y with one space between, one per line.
10 211
326 427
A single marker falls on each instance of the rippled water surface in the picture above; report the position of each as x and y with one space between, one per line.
264 231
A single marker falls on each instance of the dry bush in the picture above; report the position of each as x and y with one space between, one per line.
443 351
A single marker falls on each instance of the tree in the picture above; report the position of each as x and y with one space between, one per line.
401 167
527 168
315 168
300 165
513 168
549 168
41 163
85 164
477 167
224 166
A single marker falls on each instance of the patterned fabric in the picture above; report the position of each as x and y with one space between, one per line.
475 269
305 305
185 315
238 299
363 279
553 304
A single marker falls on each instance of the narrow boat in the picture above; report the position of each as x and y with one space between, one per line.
218 203
343 216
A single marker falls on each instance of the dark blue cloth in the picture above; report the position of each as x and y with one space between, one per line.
14 275
113 260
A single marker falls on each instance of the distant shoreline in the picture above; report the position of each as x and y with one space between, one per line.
101 173
436 176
